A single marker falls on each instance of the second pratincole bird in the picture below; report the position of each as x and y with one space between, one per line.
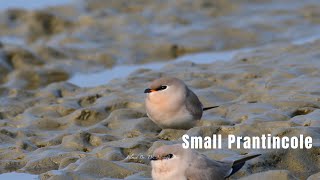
172 105
174 162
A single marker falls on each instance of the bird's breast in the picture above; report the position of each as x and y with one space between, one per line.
159 107
167 117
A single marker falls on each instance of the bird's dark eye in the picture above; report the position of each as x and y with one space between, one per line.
161 88
168 156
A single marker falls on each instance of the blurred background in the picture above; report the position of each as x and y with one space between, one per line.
49 41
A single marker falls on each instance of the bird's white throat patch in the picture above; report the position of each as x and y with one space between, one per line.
168 169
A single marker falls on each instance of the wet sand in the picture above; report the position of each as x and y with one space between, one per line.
57 130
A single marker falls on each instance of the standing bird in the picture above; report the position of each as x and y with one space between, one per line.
175 162
171 104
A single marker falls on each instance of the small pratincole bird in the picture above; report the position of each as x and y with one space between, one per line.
175 162
171 104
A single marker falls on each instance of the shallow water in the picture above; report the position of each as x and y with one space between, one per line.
121 71
12 40
18 176
103 77
306 40
31 4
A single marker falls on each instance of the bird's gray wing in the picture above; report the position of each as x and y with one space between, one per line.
193 105
202 168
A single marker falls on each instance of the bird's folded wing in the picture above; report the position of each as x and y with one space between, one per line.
193 105
202 168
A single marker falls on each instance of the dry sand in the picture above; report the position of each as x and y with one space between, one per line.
61 131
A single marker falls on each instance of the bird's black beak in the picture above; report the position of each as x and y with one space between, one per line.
148 90
153 158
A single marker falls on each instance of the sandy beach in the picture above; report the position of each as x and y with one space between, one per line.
72 78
